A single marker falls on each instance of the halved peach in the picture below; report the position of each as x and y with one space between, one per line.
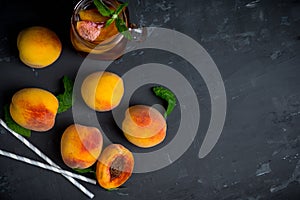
91 26
88 30
114 167
144 126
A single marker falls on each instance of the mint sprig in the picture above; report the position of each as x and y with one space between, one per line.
102 8
114 17
166 95
65 99
112 189
86 170
13 125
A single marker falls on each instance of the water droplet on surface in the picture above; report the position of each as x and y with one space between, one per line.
199 181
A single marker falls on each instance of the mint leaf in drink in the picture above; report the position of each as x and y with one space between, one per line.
127 35
13 125
103 9
114 16
109 22
65 99
120 8
122 28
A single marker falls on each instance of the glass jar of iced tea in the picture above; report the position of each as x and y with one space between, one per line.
90 35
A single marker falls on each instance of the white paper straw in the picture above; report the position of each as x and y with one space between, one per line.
48 160
44 166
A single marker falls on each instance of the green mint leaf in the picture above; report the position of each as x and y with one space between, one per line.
103 9
68 84
114 16
86 170
127 35
121 26
123 29
120 8
13 125
168 96
112 189
171 106
65 99
109 22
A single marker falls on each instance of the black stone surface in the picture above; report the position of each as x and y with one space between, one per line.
255 45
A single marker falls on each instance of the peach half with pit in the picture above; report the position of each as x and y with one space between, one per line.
114 167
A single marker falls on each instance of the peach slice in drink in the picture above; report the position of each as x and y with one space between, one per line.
91 26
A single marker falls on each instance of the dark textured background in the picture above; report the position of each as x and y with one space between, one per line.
256 47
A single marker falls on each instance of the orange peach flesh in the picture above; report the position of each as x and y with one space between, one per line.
114 167
93 15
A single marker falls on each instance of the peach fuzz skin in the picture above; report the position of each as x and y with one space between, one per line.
34 109
144 126
114 167
81 146
38 46
102 91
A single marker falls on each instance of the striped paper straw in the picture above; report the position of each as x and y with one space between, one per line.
44 166
48 160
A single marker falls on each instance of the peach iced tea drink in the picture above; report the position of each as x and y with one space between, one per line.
90 33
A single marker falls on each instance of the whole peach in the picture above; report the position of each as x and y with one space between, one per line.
34 109
81 146
38 46
102 91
